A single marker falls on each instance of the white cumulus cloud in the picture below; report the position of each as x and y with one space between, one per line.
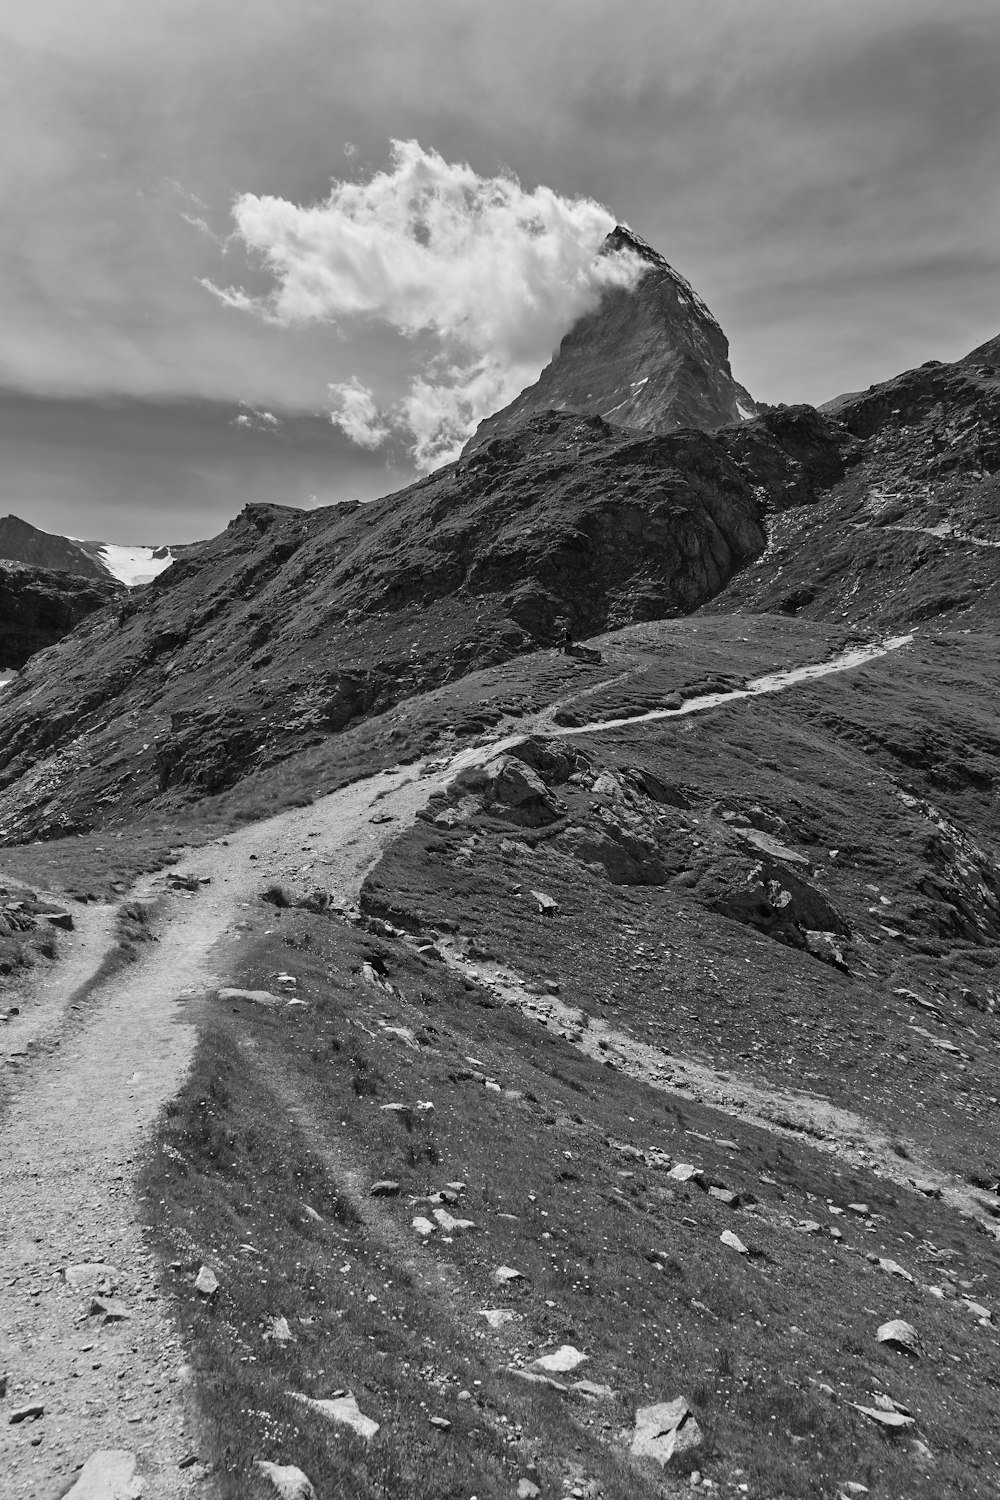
355 413
489 275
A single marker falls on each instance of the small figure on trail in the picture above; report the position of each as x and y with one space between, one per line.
564 635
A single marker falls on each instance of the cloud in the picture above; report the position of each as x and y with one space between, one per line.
356 414
483 276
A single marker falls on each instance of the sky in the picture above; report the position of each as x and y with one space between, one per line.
203 205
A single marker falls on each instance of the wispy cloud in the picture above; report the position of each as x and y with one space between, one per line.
486 274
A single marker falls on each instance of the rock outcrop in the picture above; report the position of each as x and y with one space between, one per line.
39 606
653 358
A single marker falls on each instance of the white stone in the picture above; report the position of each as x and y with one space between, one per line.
665 1429
561 1361
92 1276
206 1282
290 1482
108 1474
734 1242
899 1335
343 1410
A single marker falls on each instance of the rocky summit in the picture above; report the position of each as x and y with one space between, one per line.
502 984
652 358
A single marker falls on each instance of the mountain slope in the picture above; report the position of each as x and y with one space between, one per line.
291 625
653 358
913 530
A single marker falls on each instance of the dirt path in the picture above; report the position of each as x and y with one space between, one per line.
75 1130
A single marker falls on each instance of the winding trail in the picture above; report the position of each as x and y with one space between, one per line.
88 1084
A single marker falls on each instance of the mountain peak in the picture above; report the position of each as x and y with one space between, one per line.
651 357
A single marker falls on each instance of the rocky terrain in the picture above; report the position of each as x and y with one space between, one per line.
530 1008
653 359
38 606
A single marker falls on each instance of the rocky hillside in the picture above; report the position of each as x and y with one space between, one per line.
913 531
653 358
39 605
291 625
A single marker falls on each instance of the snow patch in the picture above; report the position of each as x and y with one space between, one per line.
747 416
134 565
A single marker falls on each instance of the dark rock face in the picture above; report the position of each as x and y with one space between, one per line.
653 358
21 542
38 607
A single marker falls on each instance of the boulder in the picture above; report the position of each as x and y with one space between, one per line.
665 1430
108 1474
901 1335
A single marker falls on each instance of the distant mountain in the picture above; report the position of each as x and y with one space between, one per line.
24 543
653 358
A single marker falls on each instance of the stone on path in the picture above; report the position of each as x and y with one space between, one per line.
290 1482
727 1237
343 1410
899 1335
561 1361
663 1430
110 1309
108 1474
29 1413
92 1276
206 1282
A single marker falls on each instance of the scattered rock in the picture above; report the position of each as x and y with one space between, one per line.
894 1268
496 1317
29 1413
929 1189
280 1332
290 1482
663 1430
92 1276
109 1309
441 1423
206 1282
527 1490
61 919
892 1421
561 1361
343 1410
899 1335
546 906
725 1196
255 997
108 1474
591 1391
422 1225
504 1275
385 1189
734 1242
449 1225
532 1377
